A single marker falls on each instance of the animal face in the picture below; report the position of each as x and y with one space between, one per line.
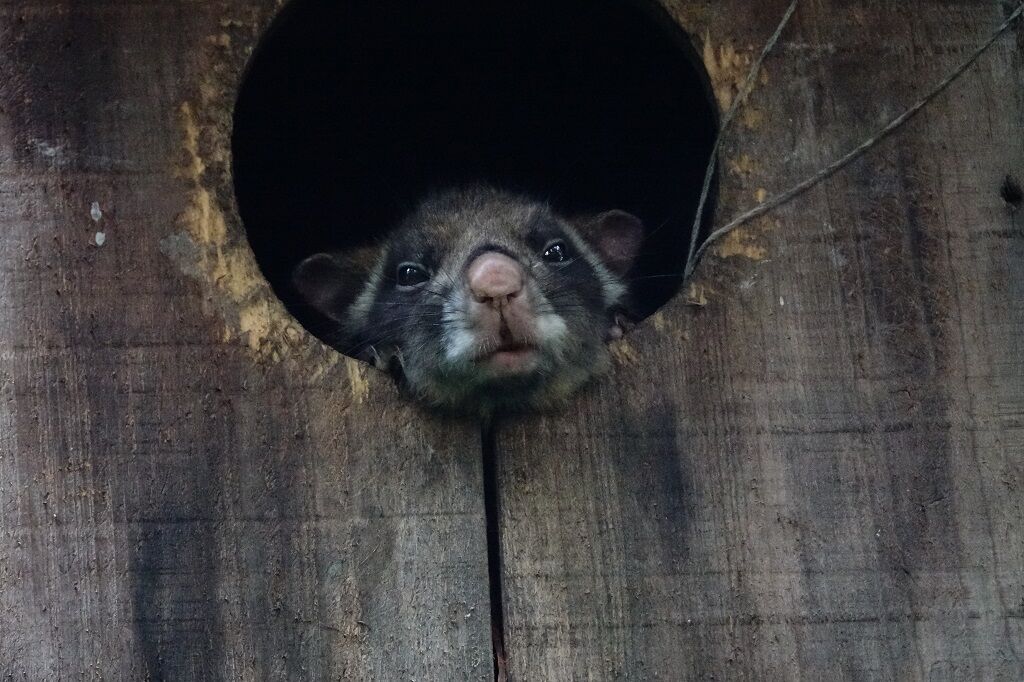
482 300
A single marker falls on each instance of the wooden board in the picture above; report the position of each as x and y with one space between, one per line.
810 465
190 487
817 471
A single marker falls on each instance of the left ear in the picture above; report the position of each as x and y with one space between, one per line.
616 236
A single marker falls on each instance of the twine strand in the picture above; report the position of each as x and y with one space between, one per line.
849 157
741 96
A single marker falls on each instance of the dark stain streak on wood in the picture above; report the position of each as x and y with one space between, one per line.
656 478
1011 192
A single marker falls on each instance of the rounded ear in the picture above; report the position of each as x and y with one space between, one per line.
331 282
616 236
321 282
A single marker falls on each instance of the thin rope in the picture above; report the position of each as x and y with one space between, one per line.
861 149
741 96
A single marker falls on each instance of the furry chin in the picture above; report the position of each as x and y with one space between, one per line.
494 393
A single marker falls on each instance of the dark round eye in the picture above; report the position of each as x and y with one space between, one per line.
411 275
556 252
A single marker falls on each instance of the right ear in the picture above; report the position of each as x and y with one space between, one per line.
331 282
616 236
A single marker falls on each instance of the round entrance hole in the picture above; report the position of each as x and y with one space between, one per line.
352 111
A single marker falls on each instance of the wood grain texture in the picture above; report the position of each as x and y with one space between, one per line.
176 500
818 473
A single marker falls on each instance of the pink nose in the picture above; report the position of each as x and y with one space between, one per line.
494 278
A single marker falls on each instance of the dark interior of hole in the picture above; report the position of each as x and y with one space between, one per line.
351 111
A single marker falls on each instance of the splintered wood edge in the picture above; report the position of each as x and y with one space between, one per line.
209 243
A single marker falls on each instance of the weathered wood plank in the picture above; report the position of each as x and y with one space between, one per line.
191 488
818 473
828 481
